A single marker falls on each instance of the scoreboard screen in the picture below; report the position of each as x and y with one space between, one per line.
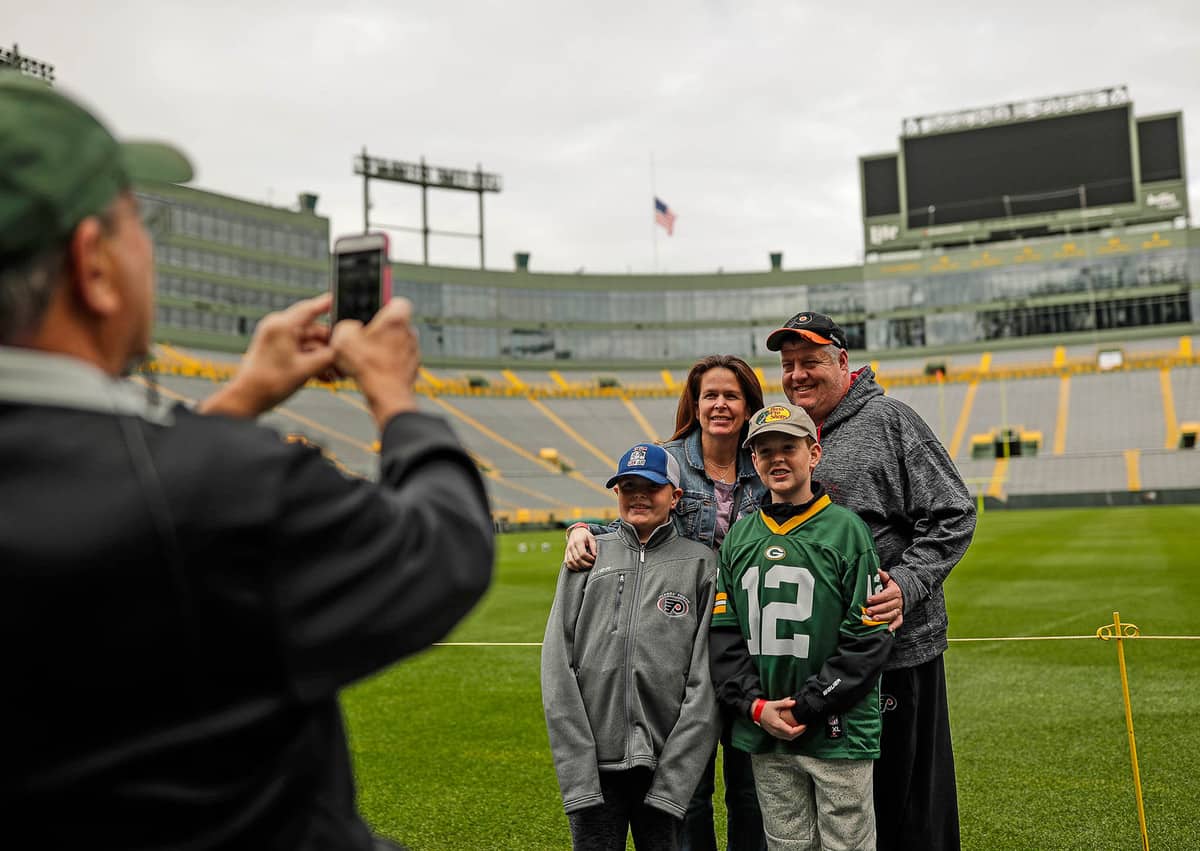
1158 149
881 186
1020 168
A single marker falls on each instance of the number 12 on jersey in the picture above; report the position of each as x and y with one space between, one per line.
764 639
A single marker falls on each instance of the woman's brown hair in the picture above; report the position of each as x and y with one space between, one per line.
689 400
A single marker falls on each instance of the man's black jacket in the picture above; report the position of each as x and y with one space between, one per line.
182 597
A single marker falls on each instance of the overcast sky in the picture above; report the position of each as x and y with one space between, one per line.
754 112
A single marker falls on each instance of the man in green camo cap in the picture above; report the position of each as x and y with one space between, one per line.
183 596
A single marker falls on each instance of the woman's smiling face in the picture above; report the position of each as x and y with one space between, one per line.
721 409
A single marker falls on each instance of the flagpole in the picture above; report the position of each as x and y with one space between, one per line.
654 218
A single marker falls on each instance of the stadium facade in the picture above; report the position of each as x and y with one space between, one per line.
1104 285
223 262
972 244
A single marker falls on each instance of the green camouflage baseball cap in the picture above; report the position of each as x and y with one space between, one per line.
59 165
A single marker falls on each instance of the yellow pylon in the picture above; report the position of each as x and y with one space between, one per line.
1120 632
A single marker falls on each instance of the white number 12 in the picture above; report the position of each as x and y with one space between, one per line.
763 639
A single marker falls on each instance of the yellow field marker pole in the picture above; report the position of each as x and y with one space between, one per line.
1120 632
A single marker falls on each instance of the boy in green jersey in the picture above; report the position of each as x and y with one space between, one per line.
794 656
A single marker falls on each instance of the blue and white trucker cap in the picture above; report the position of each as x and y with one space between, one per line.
649 461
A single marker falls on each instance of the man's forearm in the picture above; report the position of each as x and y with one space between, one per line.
236 398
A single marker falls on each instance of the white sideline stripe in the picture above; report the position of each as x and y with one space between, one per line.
951 640
487 644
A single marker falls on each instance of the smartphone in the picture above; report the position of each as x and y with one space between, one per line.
362 276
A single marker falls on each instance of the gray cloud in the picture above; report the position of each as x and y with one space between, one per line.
755 112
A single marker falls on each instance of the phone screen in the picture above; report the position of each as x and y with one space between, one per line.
359 282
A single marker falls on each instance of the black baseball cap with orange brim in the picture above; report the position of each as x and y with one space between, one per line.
814 327
59 165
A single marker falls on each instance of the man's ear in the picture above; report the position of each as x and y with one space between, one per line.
93 270
816 455
675 495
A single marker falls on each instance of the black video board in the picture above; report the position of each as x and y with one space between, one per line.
1023 168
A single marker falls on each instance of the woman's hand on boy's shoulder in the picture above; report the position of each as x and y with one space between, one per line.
581 549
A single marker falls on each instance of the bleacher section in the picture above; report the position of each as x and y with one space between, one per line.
1114 412
938 404
546 440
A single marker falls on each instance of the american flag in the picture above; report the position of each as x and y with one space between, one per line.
664 216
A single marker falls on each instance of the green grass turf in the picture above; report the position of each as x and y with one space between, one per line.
451 752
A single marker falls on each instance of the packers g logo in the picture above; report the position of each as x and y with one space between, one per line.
774 553
773 414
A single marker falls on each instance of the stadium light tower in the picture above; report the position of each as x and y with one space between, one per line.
427 177
27 65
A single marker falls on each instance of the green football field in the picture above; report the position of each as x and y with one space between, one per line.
451 750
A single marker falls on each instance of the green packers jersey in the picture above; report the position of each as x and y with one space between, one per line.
794 590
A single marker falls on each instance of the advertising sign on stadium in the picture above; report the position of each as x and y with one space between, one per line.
879 234
1163 200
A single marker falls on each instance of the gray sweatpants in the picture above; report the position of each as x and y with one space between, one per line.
811 804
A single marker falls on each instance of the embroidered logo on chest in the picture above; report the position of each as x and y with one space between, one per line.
674 605
774 553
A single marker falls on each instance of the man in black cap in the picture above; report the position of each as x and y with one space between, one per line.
182 596
880 459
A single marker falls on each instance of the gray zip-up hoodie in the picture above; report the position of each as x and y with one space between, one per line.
625 677
882 461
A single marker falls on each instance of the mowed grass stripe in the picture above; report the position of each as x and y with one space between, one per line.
450 746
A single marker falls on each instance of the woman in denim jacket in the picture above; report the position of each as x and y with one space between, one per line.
719 486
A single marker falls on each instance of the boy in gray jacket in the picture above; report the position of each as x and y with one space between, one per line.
630 708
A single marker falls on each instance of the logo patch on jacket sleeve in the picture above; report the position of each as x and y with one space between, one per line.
674 605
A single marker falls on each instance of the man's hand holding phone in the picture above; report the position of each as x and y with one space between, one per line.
288 348
383 357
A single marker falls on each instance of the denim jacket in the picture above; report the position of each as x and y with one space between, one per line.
696 513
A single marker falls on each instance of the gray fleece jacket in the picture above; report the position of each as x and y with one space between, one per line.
625 677
882 461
